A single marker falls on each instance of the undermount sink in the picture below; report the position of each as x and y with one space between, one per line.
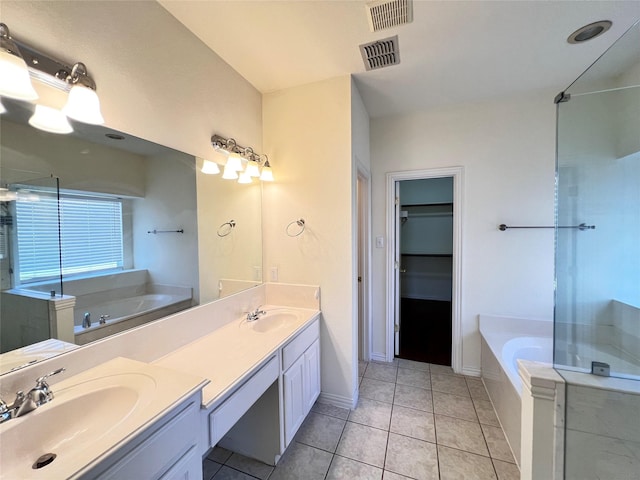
89 414
272 320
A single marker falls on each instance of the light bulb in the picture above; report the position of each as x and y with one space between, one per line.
50 120
229 173
14 78
267 174
234 161
83 105
252 169
209 167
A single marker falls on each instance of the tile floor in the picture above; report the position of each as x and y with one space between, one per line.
413 421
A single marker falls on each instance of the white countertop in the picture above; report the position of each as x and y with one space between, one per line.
229 353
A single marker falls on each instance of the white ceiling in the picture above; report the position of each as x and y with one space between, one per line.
452 52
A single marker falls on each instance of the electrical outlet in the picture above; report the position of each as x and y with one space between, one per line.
274 274
257 273
379 242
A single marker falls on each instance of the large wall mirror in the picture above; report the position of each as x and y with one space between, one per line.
124 230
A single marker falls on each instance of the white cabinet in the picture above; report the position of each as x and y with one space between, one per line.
301 379
169 450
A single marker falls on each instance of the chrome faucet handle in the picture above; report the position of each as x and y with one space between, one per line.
4 408
41 393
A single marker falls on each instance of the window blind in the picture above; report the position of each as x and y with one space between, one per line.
90 234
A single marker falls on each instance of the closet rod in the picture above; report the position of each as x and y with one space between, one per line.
582 226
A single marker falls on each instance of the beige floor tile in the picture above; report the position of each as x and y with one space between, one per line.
219 454
445 369
250 466
345 468
459 465
381 371
377 390
454 406
413 423
497 443
460 434
486 413
413 365
411 457
228 473
477 390
414 378
364 444
372 413
302 461
506 470
449 384
330 410
413 397
387 475
320 431
209 468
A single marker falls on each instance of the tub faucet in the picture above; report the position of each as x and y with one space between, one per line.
255 315
86 321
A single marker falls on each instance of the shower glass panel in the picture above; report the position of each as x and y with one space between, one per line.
597 310
597 316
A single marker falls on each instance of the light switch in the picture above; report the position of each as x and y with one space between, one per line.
380 242
274 274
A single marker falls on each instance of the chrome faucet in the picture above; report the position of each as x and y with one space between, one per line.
255 315
103 319
86 321
23 404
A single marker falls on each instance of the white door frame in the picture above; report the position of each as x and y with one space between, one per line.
392 267
364 248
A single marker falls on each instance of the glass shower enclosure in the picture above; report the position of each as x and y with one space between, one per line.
597 308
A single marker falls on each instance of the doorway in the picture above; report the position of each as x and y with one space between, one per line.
424 268
363 260
424 242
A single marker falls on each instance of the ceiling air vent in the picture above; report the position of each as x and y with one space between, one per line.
380 54
389 13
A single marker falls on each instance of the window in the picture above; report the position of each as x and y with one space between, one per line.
90 236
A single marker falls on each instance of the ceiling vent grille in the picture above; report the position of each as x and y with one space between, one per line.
389 13
380 54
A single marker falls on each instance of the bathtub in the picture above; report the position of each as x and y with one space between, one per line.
504 341
126 313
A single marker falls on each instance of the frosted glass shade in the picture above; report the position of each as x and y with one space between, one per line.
14 78
50 120
266 175
229 173
83 105
252 169
2 109
245 178
234 162
210 168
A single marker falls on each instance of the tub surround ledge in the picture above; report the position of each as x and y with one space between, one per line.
542 421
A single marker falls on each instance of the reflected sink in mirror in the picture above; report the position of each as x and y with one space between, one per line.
272 320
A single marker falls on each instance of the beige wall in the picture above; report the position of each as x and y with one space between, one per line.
507 150
307 131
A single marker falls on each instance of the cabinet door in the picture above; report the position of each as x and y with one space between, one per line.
189 467
294 399
312 375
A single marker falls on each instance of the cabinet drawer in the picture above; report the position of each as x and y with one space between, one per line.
226 415
298 345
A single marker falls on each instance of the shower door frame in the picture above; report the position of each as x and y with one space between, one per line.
393 262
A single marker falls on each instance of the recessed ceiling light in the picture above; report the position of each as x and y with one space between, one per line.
590 31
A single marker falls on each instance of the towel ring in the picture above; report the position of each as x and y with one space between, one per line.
299 223
226 228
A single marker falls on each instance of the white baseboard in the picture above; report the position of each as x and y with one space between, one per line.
472 371
379 357
339 400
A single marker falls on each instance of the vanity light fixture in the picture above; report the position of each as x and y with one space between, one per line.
50 120
238 157
19 62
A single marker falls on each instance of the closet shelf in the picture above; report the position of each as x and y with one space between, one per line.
426 254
